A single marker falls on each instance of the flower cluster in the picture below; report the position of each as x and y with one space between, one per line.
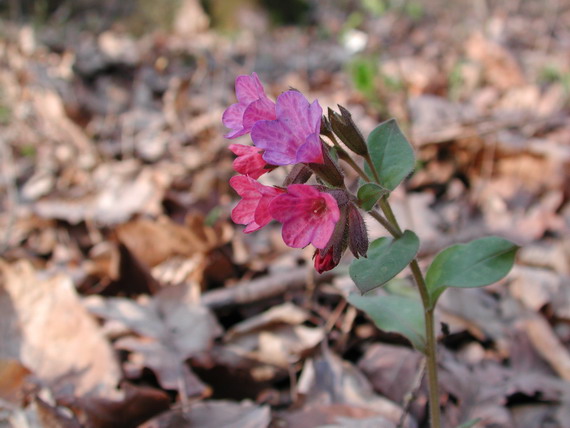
287 132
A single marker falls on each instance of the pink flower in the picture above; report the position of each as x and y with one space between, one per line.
249 160
253 209
252 106
293 137
308 216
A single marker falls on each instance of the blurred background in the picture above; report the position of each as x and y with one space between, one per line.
127 291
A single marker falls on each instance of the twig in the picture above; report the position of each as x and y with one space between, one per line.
412 394
259 289
548 345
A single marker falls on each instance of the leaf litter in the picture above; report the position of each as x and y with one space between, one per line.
128 298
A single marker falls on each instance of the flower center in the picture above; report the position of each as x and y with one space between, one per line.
319 206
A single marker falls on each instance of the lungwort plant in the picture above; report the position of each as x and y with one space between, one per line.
293 132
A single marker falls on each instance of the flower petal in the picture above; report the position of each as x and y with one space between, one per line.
252 210
282 138
232 118
253 105
311 151
249 88
249 161
308 216
261 109
279 145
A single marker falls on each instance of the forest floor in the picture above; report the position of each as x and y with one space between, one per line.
129 298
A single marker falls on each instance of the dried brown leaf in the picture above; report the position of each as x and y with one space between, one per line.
328 379
215 414
12 380
392 370
171 326
118 191
138 404
275 336
45 326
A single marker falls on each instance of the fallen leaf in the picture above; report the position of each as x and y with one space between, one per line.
154 241
500 66
171 329
45 326
392 370
535 287
335 415
138 404
475 310
12 380
275 336
327 379
119 191
214 414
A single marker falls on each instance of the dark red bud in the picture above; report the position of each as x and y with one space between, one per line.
357 234
324 261
343 126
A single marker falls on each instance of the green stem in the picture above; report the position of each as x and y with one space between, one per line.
387 225
348 159
431 357
392 226
431 346
431 343
355 167
372 168
387 210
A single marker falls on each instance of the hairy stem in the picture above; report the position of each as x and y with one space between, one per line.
372 168
431 346
431 343
387 210
387 225
342 154
390 223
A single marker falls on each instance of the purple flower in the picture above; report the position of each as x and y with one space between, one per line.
308 216
252 106
293 137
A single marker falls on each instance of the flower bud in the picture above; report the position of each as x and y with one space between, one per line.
328 171
357 234
324 260
326 128
343 126
349 232
339 239
299 174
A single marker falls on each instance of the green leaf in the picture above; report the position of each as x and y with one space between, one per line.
391 153
475 264
395 314
470 423
385 259
369 193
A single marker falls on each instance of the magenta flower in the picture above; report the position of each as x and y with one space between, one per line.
308 216
293 137
253 209
249 160
252 106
